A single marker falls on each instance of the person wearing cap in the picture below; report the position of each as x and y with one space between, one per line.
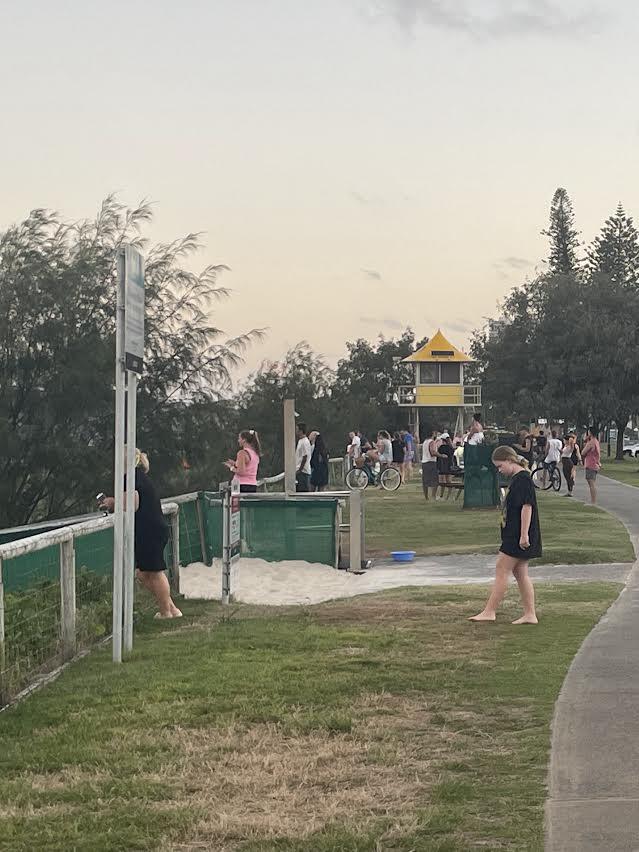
445 453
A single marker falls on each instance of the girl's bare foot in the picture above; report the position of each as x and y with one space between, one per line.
175 612
527 619
483 616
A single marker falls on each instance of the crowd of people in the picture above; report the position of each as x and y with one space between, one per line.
551 450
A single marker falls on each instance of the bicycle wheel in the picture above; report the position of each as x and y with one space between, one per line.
356 479
541 477
555 479
390 480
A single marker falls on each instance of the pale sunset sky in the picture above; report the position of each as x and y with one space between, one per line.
360 165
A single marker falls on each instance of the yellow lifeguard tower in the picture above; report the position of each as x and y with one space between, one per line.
439 382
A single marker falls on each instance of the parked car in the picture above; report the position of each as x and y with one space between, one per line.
631 450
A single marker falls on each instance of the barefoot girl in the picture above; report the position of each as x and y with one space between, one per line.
520 537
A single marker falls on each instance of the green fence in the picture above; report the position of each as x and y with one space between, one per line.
277 529
481 486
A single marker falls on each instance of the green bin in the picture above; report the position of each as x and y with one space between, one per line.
481 486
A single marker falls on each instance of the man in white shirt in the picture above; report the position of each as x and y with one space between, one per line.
303 453
354 449
553 453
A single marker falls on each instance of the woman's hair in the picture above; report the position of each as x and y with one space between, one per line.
383 434
320 445
252 439
507 454
141 460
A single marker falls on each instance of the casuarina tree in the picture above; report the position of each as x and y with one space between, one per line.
563 236
615 251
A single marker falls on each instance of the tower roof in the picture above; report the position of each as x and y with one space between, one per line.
439 349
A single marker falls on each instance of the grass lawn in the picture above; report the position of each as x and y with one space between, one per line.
385 722
572 533
623 471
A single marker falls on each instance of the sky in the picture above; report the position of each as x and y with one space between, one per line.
360 165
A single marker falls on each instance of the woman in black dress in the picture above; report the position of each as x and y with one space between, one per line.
520 537
319 462
151 537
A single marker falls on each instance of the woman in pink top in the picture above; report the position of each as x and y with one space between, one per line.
591 455
247 461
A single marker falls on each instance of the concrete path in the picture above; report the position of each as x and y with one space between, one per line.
593 803
473 568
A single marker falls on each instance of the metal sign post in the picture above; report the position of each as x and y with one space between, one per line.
231 532
129 358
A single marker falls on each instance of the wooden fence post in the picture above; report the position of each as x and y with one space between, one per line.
175 551
4 687
67 597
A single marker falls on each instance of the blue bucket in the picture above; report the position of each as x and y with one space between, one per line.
403 555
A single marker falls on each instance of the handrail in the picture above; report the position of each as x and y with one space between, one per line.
11 549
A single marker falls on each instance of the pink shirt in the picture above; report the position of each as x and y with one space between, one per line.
592 455
249 477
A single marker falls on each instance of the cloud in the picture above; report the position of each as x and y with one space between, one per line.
373 274
386 323
513 263
463 326
495 18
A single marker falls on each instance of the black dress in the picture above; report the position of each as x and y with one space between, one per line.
319 468
399 451
520 493
445 464
151 528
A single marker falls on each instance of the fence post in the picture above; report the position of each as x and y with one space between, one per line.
4 688
67 597
356 530
175 551
200 528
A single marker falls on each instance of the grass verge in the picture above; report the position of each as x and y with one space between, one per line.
381 722
626 471
572 533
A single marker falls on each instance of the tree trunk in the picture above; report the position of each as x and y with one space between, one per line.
620 422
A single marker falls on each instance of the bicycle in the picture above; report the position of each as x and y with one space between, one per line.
546 475
361 477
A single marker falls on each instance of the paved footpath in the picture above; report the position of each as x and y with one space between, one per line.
593 803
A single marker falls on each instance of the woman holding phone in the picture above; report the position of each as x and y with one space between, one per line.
520 537
246 461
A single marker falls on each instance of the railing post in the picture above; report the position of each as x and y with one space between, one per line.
67 597
175 551
4 686
200 528
355 524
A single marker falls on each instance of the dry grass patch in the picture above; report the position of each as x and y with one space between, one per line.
259 783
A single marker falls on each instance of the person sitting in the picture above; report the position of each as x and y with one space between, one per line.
476 430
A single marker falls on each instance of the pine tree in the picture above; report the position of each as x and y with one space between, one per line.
615 252
564 238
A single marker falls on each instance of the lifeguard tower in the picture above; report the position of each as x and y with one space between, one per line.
439 382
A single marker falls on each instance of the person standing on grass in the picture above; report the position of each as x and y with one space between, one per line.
303 453
246 461
570 458
319 462
591 455
430 478
409 455
399 454
445 454
525 447
520 537
151 537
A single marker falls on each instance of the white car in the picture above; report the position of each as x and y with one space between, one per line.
631 450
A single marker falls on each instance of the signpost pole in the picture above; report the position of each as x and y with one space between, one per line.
231 531
118 496
128 575
129 359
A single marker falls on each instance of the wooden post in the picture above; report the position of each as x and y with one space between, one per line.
200 528
289 446
4 687
356 530
67 597
175 551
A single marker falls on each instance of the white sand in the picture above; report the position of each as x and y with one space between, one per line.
255 581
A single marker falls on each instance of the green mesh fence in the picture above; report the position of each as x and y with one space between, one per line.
277 530
480 477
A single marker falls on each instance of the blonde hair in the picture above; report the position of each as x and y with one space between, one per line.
141 460
507 454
